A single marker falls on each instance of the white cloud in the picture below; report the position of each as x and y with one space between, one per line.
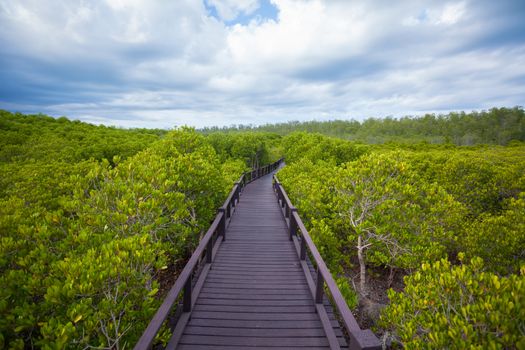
452 13
142 62
306 32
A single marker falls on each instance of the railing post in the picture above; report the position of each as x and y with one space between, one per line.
222 224
319 289
236 195
303 249
186 303
293 223
209 251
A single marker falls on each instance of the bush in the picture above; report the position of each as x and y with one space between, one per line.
457 307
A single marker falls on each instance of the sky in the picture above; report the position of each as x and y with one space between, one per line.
164 63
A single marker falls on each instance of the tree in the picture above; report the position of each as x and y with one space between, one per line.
393 218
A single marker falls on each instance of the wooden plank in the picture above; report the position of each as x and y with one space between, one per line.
257 261
251 274
229 347
256 309
256 286
310 316
207 322
255 279
255 332
280 292
248 267
241 302
238 296
330 334
254 341
243 252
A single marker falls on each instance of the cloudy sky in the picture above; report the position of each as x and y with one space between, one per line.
163 63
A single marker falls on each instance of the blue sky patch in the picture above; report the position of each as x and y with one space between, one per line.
265 11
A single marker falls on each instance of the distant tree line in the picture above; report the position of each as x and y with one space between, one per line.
495 126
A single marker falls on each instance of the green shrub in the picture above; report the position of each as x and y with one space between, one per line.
457 307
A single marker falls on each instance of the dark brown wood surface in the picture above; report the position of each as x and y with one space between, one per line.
256 293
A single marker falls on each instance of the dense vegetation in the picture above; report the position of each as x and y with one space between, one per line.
497 126
450 218
41 138
84 238
91 218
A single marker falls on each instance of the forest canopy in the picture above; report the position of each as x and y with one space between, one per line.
420 220
497 126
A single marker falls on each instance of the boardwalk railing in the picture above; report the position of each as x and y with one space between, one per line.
359 338
191 279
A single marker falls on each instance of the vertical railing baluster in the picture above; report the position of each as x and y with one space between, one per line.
235 198
222 223
209 251
293 224
186 303
303 249
319 289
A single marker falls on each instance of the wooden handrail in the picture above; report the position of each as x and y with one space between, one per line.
162 313
207 246
359 339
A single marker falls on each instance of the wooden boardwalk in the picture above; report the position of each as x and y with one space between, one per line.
256 293
256 280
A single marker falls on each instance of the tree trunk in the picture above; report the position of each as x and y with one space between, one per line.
362 267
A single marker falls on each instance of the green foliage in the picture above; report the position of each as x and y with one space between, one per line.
42 138
499 238
90 215
410 205
305 185
317 147
256 149
499 126
313 198
481 178
457 307
82 243
405 220
347 291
